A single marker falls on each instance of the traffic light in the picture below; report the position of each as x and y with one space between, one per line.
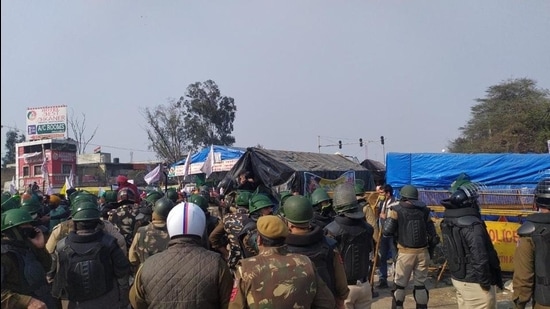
382 140
340 144
360 142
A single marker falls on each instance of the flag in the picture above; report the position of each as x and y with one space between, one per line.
44 168
50 190
186 165
208 165
70 181
65 187
13 190
97 149
152 176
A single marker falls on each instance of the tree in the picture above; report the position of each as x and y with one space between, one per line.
513 117
208 116
78 127
165 132
13 136
200 118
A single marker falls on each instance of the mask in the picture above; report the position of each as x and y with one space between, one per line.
381 197
28 232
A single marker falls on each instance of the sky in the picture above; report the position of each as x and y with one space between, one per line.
304 74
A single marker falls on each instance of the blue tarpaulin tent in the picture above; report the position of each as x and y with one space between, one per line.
439 170
224 159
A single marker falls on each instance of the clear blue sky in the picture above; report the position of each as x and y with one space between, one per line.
341 70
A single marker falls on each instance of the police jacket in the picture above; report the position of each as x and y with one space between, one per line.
467 246
185 275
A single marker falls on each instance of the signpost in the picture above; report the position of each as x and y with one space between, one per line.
46 122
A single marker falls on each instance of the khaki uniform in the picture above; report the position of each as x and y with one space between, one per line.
62 230
150 239
277 279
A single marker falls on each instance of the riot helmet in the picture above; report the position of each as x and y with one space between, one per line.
186 219
153 196
15 217
199 200
162 208
172 194
345 202
85 211
259 201
297 209
243 198
542 193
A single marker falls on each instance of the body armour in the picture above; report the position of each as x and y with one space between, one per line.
354 238
412 226
319 249
537 227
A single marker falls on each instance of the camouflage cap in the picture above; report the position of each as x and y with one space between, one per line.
272 227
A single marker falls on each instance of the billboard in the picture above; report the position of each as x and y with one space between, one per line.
46 122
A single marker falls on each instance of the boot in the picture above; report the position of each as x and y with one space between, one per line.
382 284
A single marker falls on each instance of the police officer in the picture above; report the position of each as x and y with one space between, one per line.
471 257
275 278
124 217
211 221
531 269
185 275
231 226
323 213
409 221
259 205
354 237
309 240
89 269
24 263
152 238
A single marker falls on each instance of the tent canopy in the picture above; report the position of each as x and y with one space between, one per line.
439 170
378 170
224 159
273 168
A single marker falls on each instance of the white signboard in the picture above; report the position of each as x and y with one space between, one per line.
195 168
46 122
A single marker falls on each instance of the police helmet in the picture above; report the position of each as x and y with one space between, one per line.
186 219
15 217
345 202
542 193
297 209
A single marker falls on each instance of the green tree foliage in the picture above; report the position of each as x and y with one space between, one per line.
208 116
200 118
514 117
12 137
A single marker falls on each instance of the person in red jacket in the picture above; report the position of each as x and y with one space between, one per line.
122 182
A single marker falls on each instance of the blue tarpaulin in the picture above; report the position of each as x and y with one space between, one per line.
439 170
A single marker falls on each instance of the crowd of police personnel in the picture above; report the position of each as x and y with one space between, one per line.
167 250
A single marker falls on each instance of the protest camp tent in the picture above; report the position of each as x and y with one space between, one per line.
289 169
224 159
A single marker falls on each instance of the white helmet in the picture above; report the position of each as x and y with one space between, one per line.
186 219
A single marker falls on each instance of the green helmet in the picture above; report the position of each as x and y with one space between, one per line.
198 200
85 211
344 200
258 202
5 196
10 203
284 196
409 192
243 198
172 194
298 209
162 207
110 196
32 206
319 196
83 196
153 196
15 217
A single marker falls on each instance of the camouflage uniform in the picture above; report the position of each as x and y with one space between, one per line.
124 218
277 279
233 224
149 240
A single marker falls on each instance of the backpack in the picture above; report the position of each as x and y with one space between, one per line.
87 276
355 245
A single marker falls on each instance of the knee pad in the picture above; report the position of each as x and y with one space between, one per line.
421 295
399 295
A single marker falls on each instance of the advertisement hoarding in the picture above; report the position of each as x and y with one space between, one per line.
46 122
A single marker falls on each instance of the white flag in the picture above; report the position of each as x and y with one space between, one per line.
50 190
70 181
152 176
44 168
13 190
186 165
208 165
